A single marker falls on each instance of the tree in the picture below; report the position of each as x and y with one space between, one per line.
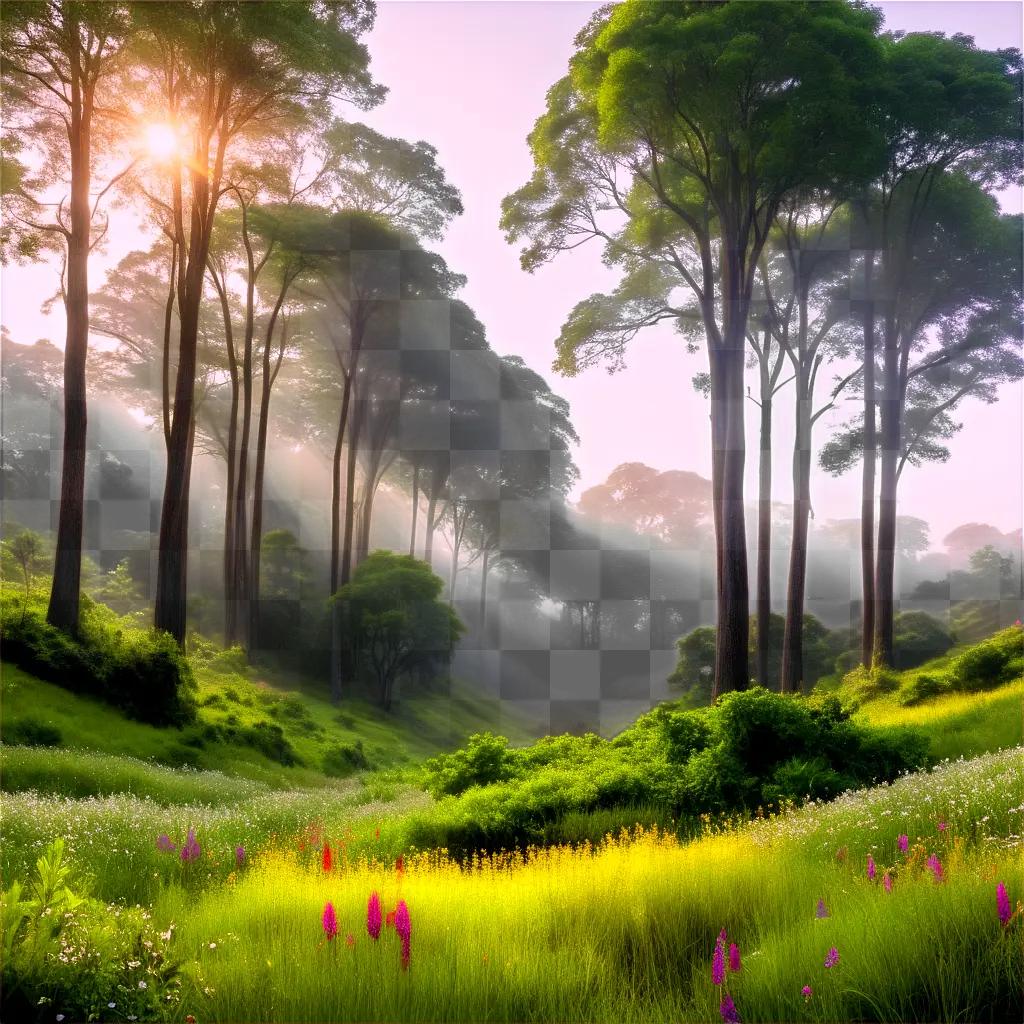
59 58
693 123
397 619
24 552
947 107
224 70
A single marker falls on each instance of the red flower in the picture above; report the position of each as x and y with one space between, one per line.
400 865
327 857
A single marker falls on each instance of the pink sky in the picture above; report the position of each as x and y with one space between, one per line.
470 78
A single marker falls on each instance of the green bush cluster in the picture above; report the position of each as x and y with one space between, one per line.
343 759
142 672
31 732
69 956
752 749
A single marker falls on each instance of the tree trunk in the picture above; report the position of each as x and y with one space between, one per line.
483 598
339 443
882 647
428 549
67 568
793 638
867 500
731 657
415 509
764 539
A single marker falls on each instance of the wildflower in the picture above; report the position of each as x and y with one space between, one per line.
942 826
60 1017
935 866
821 910
1003 904
807 992
728 1010
143 986
832 958
326 862
376 834
373 916
164 844
350 940
110 1006
330 921
871 868
718 964
404 928
191 849
400 866
239 856
734 958
903 843
887 881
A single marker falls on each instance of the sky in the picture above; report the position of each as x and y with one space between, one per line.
470 78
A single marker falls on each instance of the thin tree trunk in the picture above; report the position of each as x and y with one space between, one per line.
350 498
867 500
483 597
339 444
792 641
882 649
415 509
67 568
764 539
165 368
428 550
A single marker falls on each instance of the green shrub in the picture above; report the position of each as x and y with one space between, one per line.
343 759
922 687
30 732
990 663
142 672
484 759
918 638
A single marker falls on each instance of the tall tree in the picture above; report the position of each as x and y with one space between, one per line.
59 58
694 122
223 72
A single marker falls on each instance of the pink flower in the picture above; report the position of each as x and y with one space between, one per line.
903 842
374 918
887 881
935 865
734 958
239 856
330 921
832 958
871 868
728 1010
191 849
403 927
1003 904
718 964
164 844
807 992
821 910
942 826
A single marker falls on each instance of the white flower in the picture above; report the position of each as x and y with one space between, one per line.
111 1005
143 985
60 1016
213 945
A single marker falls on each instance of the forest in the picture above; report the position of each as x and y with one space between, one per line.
354 608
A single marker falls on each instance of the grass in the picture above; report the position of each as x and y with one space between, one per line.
958 724
621 933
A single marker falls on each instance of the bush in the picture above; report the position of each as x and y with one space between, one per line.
30 732
918 638
342 760
142 672
752 749
989 663
922 687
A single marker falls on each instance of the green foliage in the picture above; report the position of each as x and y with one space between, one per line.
992 662
31 732
142 672
918 638
922 686
752 749
396 619
23 556
342 760
69 955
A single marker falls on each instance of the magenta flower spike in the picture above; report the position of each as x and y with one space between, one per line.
935 866
832 957
403 927
734 958
239 856
374 917
191 849
728 1010
1003 904
807 992
871 868
903 843
718 964
821 910
887 882
330 922
164 844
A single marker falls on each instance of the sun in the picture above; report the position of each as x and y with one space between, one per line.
162 141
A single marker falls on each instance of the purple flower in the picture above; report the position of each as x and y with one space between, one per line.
191 849
403 927
164 844
821 910
903 843
718 964
887 881
832 958
734 958
942 826
374 918
1003 904
807 992
330 921
871 868
728 1010
935 865
239 856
